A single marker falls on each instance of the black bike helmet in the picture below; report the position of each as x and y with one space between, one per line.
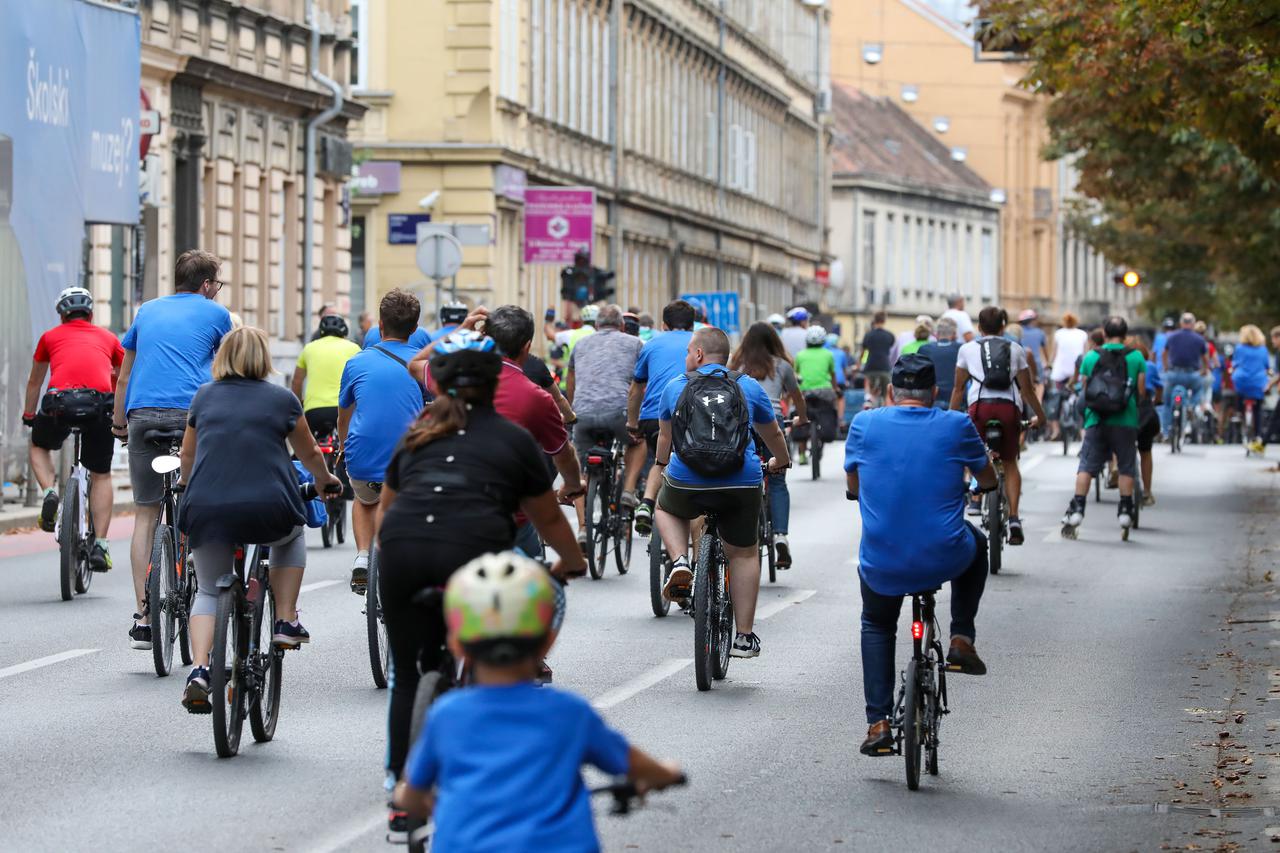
452 313
465 358
73 300
333 324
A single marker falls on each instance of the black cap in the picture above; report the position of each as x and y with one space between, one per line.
914 372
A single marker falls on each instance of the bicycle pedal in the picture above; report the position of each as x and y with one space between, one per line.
952 667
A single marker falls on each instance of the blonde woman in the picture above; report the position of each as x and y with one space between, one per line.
1249 374
242 489
1068 346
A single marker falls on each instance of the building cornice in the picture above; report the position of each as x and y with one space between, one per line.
449 152
880 183
271 90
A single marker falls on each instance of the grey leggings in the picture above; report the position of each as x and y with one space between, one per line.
215 559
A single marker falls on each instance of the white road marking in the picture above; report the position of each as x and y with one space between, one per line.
348 834
19 668
776 607
1031 462
310 587
641 682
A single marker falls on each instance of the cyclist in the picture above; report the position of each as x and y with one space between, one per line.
1148 420
661 360
842 372
942 353
1184 362
761 356
1001 381
600 371
504 757
1068 345
646 327
905 467
1272 435
320 366
418 338
82 358
1109 433
1249 375
631 324
734 498
955 311
365 322
793 336
167 354
452 488
240 422
923 332
589 315
816 370
876 345
1036 344
777 321
377 401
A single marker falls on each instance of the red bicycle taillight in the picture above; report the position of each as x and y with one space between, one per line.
326 448
595 460
917 630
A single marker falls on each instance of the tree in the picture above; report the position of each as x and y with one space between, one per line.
1170 111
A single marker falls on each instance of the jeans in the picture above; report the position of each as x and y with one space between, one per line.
528 542
1188 379
880 626
779 497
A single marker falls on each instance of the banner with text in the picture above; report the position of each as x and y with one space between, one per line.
558 221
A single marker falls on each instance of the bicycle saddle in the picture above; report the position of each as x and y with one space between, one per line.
163 436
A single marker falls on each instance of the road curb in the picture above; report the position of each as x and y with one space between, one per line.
28 517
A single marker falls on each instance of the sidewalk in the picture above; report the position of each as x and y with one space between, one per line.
16 517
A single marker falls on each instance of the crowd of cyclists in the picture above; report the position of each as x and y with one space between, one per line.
449 443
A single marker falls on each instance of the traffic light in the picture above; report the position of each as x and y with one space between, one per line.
583 283
1128 278
601 285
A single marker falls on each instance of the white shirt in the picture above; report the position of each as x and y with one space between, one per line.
793 339
964 325
970 358
1070 345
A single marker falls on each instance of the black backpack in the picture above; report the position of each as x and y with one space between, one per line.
711 424
1109 387
997 363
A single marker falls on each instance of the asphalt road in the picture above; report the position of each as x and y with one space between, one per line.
1118 672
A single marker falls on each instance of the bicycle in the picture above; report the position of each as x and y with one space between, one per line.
1069 422
1178 419
764 535
624 794
659 570
76 522
375 624
922 698
334 529
712 609
995 506
815 403
171 579
606 519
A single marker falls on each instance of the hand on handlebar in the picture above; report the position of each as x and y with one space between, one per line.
776 466
670 775
330 485
571 565
567 496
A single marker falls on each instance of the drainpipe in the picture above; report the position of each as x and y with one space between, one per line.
309 187
615 131
722 140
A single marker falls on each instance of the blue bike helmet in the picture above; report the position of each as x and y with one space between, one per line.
797 315
465 358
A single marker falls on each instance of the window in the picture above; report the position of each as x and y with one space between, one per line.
359 44
988 265
536 73
734 155
890 247
869 255
748 182
712 136
509 68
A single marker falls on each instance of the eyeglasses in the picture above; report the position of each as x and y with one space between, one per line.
218 285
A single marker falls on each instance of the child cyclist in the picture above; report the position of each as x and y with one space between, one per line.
498 764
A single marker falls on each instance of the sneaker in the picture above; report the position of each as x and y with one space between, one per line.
964 657
195 696
803 460
100 557
397 827
782 550
1015 531
679 585
644 517
1148 499
289 635
360 573
139 635
745 646
582 539
879 740
1113 479
49 511
975 506
1124 513
1075 512
629 500
1257 447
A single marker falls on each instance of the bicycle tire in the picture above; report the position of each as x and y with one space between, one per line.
376 629
603 528
431 687
226 673
995 531
934 717
187 590
658 572
723 637
766 539
161 578
84 574
703 619
341 528
912 725
69 539
589 525
1097 489
815 456
622 541
264 710
1137 500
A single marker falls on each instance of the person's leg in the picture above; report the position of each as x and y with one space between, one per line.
212 560
144 531
528 541
967 589
633 461
744 584
779 504
673 516
363 516
1013 486
408 636
101 502
288 564
1148 467
879 631
42 467
674 532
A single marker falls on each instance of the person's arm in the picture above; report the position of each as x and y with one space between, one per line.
344 423
662 455
570 381
299 377
418 364
566 461
187 456
635 396
1142 385
799 407
414 801
835 384
545 515
566 410
1029 394
1204 362
957 390
1164 359
304 447
118 426
39 369
649 774
771 434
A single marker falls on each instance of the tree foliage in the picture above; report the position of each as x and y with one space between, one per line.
1170 112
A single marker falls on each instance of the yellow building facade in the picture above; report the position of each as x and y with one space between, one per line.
696 123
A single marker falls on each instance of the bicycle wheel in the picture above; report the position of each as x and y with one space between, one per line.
995 530
912 725
658 571
1097 489
69 539
379 655
593 516
186 591
704 618
431 687
815 456
264 711
765 543
341 527
226 673
933 718
1137 501
326 532
723 638
624 525
161 582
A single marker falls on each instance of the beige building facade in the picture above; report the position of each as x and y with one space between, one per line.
698 125
906 51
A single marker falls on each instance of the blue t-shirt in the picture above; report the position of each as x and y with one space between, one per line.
1157 345
1185 348
911 491
761 411
418 340
1153 377
173 339
387 399
506 765
1249 370
943 355
1033 341
842 362
661 360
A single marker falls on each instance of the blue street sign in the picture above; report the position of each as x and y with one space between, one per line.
722 309
402 228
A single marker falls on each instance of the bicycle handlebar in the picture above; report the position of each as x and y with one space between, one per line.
624 793
310 492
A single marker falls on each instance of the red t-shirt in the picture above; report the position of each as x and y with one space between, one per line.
521 402
80 355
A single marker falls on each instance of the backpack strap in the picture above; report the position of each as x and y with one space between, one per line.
389 354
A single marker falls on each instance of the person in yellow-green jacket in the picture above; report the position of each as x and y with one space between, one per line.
320 369
816 372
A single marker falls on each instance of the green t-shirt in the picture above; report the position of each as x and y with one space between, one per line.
912 346
1137 366
815 366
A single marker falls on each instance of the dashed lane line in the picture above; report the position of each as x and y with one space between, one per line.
19 668
312 587
641 682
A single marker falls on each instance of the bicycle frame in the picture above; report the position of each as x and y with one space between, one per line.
250 580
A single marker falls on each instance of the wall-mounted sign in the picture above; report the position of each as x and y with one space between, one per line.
558 221
509 182
402 228
377 177
722 309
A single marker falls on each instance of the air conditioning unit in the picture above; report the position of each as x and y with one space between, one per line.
334 158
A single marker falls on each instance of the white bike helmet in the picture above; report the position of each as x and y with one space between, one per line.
500 606
815 336
777 321
589 314
74 299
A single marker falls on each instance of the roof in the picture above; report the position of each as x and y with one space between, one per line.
875 138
